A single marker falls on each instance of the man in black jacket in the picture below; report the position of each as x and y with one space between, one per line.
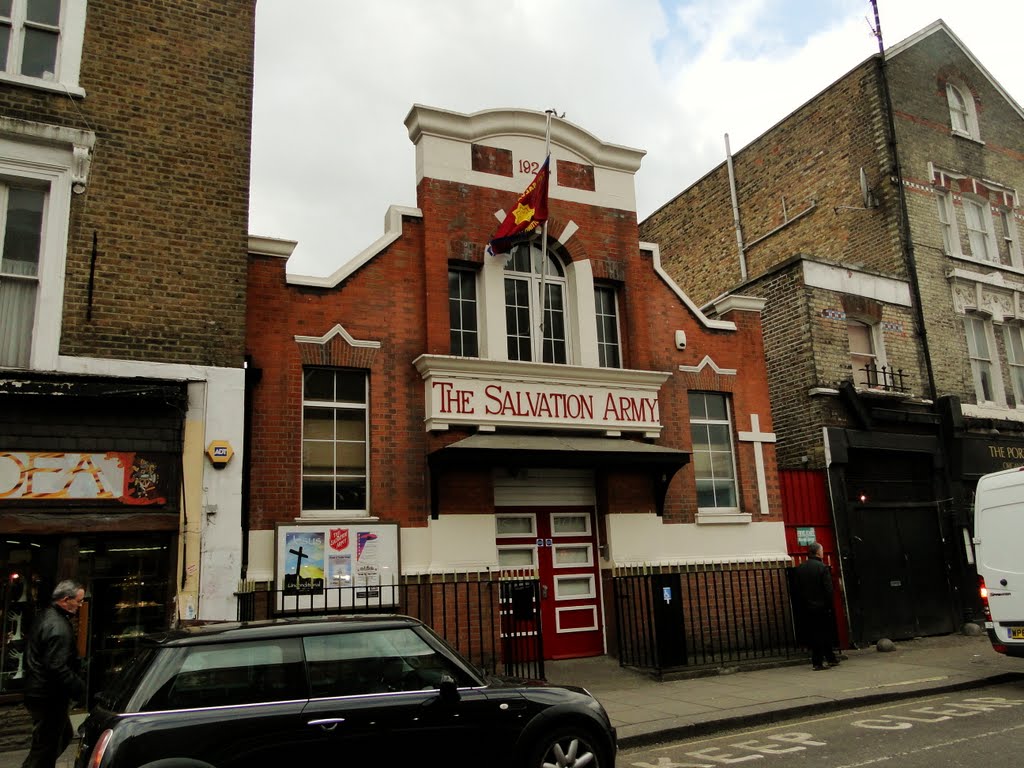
52 677
813 582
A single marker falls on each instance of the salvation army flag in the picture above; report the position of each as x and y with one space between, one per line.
530 210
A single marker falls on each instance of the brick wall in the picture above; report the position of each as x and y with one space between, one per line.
168 95
798 188
400 299
918 79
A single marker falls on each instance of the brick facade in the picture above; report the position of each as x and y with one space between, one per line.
821 200
393 308
169 96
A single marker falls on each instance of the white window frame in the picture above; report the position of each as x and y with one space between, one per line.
51 157
534 281
504 516
1011 238
587 577
602 343
876 354
559 612
984 359
473 276
69 48
979 234
728 422
962 110
333 514
947 220
531 548
1015 362
562 534
589 563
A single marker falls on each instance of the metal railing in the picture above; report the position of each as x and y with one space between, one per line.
882 377
492 621
703 616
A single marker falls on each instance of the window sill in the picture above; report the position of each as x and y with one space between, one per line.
729 517
330 516
39 84
969 137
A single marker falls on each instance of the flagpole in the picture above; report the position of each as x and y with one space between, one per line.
544 237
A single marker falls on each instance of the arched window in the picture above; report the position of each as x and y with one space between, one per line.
531 335
962 116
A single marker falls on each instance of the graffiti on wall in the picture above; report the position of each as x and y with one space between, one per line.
123 477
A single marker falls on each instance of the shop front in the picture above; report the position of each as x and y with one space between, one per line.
89 490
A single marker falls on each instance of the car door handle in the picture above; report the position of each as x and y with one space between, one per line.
327 723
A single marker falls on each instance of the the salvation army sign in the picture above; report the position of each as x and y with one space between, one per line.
337 564
481 393
123 477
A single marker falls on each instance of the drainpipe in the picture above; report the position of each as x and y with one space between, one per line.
735 211
904 219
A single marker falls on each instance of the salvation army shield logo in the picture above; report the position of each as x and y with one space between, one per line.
339 538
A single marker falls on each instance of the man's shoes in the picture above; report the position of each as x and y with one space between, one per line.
819 668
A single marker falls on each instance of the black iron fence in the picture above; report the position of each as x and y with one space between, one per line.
703 615
883 377
492 620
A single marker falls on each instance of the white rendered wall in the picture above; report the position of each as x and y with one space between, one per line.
638 539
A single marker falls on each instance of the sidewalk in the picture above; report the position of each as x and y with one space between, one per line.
645 710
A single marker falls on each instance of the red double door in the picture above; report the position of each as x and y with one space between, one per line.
560 544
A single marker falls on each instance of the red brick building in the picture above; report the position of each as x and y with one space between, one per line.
415 395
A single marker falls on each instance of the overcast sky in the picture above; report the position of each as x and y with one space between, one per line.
335 79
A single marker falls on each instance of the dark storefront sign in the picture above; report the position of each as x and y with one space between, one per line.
980 454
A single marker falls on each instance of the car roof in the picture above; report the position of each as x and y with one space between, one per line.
234 631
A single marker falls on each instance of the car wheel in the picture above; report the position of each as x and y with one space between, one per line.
569 747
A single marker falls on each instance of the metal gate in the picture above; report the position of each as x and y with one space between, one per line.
902 571
522 646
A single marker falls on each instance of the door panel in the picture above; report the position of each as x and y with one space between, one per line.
563 544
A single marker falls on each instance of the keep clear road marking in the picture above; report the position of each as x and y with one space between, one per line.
940 745
782 743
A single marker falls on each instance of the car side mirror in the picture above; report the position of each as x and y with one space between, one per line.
449 690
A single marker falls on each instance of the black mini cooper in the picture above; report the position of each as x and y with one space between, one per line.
373 690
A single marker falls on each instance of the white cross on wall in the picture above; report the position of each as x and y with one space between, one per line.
759 438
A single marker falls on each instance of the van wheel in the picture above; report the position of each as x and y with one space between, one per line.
570 746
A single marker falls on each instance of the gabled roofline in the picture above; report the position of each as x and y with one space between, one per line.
478 126
707 322
392 231
940 26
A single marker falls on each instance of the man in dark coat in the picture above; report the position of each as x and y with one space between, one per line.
52 676
812 581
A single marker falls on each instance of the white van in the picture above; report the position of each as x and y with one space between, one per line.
999 555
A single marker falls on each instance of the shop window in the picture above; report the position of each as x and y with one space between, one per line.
533 335
984 368
963 117
605 305
462 313
41 42
714 460
334 442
